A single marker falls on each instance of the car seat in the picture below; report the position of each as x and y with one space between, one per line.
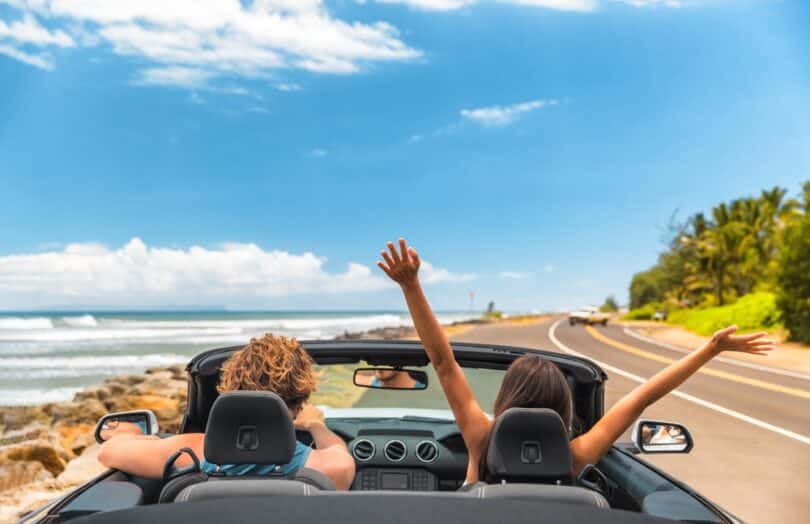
529 456
246 427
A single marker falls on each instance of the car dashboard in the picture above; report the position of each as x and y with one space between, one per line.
403 454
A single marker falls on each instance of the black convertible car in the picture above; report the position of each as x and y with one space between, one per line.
410 458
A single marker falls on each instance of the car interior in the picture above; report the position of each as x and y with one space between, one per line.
528 457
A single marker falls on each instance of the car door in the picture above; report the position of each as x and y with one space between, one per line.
636 485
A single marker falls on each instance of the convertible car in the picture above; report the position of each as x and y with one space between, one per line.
383 400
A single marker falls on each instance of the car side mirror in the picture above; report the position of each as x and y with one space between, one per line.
140 422
653 436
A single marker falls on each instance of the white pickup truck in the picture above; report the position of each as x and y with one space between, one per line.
588 315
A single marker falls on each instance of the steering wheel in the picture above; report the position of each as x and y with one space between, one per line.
170 472
590 477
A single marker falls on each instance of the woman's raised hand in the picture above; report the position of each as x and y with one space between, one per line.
402 266
755 344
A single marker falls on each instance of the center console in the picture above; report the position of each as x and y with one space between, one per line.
400 479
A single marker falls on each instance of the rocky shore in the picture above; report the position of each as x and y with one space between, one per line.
49 449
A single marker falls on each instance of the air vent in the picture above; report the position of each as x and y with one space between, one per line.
363 450
426 451
395 450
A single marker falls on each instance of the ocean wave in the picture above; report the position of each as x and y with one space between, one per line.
290 324
80 321
97 363
19 323
30 397
89 334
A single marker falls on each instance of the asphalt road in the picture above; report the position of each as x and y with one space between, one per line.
751 426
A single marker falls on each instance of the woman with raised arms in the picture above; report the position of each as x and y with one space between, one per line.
532 382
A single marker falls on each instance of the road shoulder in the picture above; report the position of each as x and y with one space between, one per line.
793 357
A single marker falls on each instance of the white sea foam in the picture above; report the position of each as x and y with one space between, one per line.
90 334
18 323
30 397
80 321
356 322
87 328
97 362
70 351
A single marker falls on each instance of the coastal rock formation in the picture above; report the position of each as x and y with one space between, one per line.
49 449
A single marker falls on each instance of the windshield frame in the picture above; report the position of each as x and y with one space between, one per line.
589 378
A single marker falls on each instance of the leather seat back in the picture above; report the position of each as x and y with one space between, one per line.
529 445
551 493
246 427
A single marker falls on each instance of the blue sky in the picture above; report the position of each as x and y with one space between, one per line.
533 154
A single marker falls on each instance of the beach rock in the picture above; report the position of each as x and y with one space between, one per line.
166 387
127 380
17 417
16 502
386 333
97 393
15 473
83 412
77 438
32 432
82 468
47 452
165 408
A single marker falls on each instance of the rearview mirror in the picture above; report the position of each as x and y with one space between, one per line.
141 422
652 436
390 378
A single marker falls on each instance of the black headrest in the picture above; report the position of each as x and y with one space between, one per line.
529 445
249 427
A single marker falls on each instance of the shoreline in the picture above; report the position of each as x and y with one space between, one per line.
48 449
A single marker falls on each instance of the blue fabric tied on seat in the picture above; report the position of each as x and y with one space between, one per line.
297 462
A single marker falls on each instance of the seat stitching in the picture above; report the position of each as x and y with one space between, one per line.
184 495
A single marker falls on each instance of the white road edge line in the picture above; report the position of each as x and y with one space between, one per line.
699 401
767 369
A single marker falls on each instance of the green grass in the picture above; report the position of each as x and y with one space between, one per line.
752 312
642 313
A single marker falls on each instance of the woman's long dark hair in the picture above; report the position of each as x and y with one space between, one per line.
531 382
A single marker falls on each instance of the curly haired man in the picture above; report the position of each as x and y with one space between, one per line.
270 363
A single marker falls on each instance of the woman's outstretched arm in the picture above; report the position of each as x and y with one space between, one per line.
403 268
590 447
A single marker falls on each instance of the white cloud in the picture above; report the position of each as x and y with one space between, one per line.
288 86
318 153
648 3
515 275
433 275
195 98
548 268
29 31
174 76
431 5
93 274
218 39
497 116
560 5
452 5
41 61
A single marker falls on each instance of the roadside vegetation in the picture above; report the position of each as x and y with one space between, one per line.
746 262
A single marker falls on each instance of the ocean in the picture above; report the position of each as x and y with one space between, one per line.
49 356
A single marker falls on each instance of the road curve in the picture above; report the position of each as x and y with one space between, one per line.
751 426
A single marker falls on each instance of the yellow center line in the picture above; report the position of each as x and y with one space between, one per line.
712 372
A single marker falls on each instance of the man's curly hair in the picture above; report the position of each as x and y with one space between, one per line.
277 364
